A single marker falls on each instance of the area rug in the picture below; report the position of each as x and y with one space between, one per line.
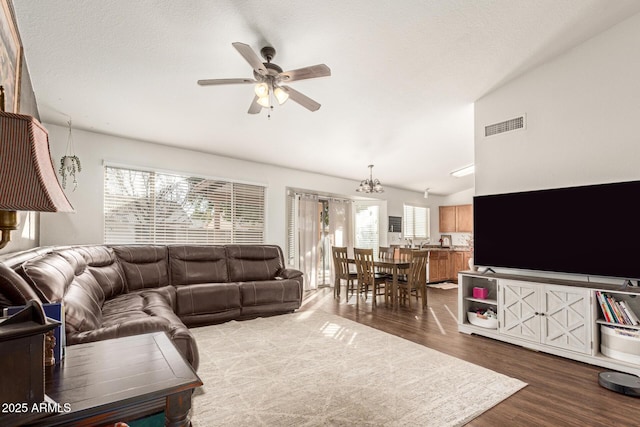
445 285
313 368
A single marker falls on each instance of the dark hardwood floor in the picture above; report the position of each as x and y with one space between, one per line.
560 392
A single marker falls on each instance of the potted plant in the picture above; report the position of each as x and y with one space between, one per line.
69 166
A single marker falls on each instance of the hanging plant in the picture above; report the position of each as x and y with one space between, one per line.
69 166
69 163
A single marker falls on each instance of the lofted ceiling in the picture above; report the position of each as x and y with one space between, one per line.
404 77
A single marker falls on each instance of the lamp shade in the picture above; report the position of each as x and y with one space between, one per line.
28 180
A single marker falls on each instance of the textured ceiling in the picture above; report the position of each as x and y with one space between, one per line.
404 78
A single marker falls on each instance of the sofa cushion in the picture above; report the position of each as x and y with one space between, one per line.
144 266
253 262
49 275
269 292
103 264
140 312
63 277
14 290
191 264
207 298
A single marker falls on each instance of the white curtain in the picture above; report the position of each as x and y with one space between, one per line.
340 227
308 239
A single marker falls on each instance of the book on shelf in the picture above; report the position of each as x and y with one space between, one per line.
604 306
630 313
615 311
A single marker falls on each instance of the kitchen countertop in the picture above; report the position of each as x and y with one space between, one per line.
438 248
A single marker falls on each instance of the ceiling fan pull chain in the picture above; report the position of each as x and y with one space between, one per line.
270 110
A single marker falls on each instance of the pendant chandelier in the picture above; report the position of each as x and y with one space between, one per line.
370 185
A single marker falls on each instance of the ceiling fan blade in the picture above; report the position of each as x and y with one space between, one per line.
211 82
250 56
311 72
301 99
255 107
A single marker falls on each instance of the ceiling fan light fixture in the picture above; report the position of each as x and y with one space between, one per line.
281 95
262 90
263 101
268 75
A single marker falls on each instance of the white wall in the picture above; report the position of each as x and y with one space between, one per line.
583 110
86 224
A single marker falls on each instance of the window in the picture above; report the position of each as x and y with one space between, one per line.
416 222
367 230
152 207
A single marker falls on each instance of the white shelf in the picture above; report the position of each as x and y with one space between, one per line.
617 325
483 301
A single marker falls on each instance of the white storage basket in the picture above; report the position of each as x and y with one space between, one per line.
620 344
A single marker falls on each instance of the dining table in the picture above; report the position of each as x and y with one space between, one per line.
395 265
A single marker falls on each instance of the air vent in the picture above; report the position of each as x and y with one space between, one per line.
506 126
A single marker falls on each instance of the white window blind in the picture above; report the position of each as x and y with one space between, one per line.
366 227
163 208
416 222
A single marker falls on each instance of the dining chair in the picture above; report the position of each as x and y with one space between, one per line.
342 272
404 254
367 276
416 280
386 253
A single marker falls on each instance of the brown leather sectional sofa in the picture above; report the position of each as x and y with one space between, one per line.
116 291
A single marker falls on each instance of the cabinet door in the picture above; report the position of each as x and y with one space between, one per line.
434 266
464 218
566 319
466 259
447 219
438 266
444 265
518 309
458 262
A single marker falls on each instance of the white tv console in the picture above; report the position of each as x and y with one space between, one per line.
561 317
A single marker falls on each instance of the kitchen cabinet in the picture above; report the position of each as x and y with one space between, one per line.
447 219
456 219
439 269
458 261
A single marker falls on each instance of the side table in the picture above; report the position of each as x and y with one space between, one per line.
120 380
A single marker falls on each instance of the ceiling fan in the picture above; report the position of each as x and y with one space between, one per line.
268 79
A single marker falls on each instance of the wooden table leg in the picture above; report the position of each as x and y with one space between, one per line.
394 288
177 409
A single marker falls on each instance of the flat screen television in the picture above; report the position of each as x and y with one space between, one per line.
588 230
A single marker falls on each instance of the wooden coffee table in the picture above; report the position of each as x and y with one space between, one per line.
120 380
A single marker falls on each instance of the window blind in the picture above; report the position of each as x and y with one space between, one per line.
416 222
152 207
366 227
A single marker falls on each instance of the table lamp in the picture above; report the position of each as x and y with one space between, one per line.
28 181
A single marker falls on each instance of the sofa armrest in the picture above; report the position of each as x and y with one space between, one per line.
289 273
125 329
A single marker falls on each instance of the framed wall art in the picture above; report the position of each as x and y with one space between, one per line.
10 57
